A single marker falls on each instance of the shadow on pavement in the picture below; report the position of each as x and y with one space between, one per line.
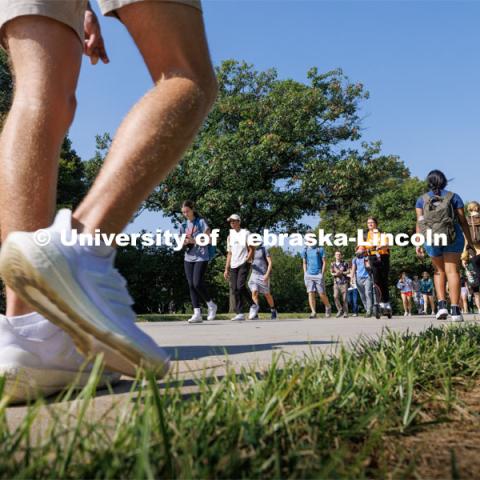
195 352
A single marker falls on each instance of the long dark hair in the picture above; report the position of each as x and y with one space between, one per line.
437 181
191 205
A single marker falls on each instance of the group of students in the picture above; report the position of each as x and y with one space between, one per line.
242 260
368 273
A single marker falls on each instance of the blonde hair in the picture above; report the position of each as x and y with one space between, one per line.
473 206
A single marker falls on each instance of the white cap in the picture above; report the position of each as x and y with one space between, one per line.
233 216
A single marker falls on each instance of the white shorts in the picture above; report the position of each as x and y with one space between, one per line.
314 283
257 284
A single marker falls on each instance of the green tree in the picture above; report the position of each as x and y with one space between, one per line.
288 288
257 145
155 277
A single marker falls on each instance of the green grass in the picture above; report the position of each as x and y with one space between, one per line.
322 417
164 317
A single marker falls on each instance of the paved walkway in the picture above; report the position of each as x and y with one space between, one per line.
209 347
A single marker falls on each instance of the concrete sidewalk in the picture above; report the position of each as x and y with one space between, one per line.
210 348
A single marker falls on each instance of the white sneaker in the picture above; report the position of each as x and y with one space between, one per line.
38 358
196 317
212 312
253 313
405 314
442 314
239 317
80 291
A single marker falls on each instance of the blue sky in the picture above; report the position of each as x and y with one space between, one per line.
419 60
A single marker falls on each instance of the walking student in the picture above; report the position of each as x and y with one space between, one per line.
362 279
472 259
379 259
196 260
340 271
352 297
417 295
77 288
259 282
314 273
405 286
441 211
239 257
426 289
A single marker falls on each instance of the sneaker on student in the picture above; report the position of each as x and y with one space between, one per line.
239 317
442 312
196 317
253 313
456 314
328 312
273 315
354 314
39 358
339 314
212 311
313 315
78 289
405 314
345 315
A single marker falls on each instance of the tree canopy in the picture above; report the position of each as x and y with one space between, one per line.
273 150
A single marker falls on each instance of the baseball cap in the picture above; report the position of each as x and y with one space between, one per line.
233 216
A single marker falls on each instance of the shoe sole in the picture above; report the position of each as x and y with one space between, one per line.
24 384
45 287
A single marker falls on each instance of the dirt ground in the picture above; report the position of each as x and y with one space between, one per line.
449 450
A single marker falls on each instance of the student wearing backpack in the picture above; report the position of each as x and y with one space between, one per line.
340 271
379 259
426 289
405 286
196 260
442 211
362 279
314 273
473 220
237 266
259 282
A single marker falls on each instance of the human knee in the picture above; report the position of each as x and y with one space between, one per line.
46 108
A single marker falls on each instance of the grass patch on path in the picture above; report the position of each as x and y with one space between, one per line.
319 417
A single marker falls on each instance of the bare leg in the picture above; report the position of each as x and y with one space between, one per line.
476 296
269 299
432 303
160 127
312 301
255 297
439 277
46 56
409 304
404 302
324 299
452 261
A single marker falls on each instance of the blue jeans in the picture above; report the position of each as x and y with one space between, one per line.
352 296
